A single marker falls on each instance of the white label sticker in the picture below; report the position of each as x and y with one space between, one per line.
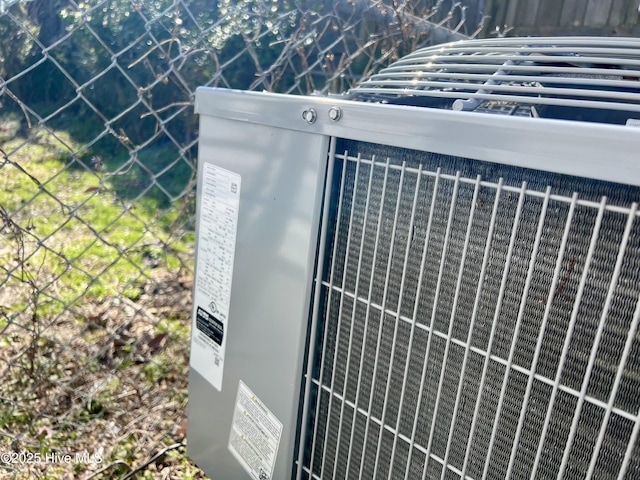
632 122
218 222
255 435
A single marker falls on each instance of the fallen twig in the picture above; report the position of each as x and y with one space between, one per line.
108 467
153 459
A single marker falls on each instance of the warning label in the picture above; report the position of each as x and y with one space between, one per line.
255 435
217 226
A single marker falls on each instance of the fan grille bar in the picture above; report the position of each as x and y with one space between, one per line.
584 73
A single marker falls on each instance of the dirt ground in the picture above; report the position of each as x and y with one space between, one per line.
100 392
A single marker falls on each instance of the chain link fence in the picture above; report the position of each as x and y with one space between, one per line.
98 154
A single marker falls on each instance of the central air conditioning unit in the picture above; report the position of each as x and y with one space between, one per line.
387 291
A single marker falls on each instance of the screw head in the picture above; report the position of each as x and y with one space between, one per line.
309 116
335 113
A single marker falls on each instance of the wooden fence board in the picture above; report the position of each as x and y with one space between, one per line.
563 17
512 10
572 12
618 12
549 13
497 11
597 12
633 16
528 13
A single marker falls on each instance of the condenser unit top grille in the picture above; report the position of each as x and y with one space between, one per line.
576 78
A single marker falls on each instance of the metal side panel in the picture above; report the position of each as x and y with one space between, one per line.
282 173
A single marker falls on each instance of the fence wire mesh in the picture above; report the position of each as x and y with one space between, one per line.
98 154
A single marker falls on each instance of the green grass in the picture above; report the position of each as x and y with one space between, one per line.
81 238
